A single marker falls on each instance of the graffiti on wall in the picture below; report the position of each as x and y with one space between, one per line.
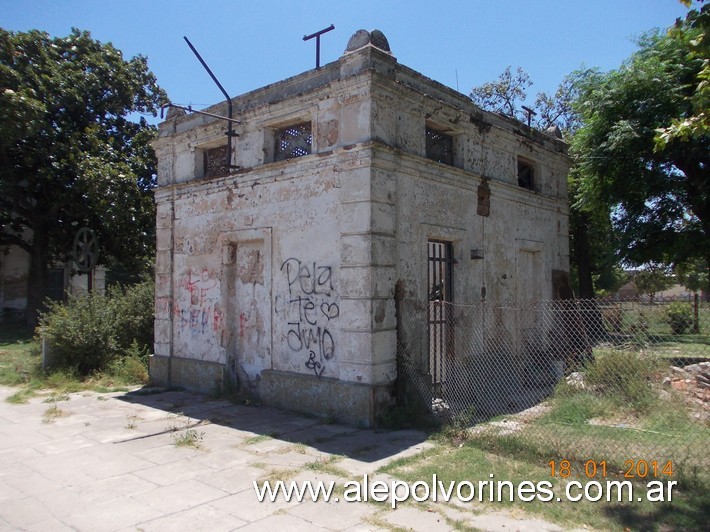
311 305
198 306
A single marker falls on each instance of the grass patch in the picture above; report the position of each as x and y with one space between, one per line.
20 397
619 413
476 460
19 355
275 475
21 367
326 464
253 440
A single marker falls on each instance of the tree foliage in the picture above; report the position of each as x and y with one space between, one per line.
651 280
640 185
506 95
659 199
696 124
70 156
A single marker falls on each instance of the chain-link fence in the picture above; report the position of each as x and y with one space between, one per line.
584 379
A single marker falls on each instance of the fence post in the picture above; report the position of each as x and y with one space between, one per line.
696 322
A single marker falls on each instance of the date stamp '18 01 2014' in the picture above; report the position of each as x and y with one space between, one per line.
632 469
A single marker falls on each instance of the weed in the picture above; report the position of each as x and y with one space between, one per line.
131 368
131 422
183 434
279 474
20 397
624 377
299 448
326 464
455 430
188 438
56 397
256 439
52 413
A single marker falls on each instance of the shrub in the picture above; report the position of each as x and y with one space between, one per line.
132 367
134 309
679 316
81 332
625 377
90 332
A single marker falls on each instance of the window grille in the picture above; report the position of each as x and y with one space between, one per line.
439 147
293 141
215 162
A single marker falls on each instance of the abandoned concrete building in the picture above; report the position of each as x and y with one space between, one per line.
278 257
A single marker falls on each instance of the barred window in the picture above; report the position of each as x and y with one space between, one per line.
215 161
292 141
439 146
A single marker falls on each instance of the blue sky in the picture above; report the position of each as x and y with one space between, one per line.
251 44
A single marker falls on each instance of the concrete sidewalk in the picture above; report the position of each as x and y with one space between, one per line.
91 461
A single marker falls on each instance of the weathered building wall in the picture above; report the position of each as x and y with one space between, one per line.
280 277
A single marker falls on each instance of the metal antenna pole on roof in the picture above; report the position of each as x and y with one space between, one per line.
529 112
230 132
317 36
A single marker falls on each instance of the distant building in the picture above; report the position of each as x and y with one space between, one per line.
61 279
628 291
277 274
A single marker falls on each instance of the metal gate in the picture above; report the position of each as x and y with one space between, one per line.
441 290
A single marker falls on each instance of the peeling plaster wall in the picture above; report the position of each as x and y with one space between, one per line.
283 273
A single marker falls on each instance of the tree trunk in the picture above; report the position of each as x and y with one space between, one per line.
582 257
37 278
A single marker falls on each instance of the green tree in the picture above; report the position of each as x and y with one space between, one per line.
693 275
696 124
659 199
651 280
69 154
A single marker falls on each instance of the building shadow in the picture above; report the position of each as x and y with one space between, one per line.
365 445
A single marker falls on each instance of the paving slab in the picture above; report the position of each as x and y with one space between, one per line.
111 462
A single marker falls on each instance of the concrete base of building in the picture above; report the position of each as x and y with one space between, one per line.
352 403
197 375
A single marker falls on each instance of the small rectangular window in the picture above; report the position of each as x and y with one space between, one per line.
54 287
439 146
293 141
526 174
215 161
